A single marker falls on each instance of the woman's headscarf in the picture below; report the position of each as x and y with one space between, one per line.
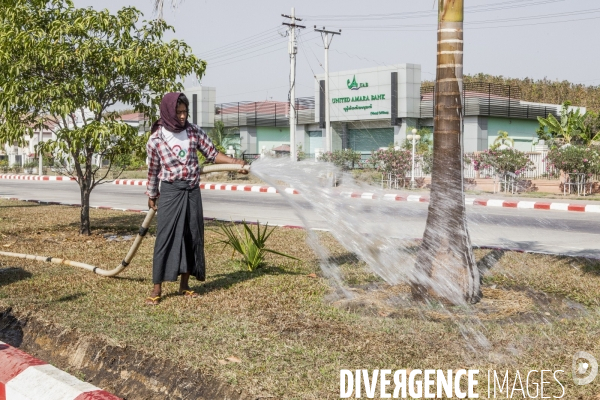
168 114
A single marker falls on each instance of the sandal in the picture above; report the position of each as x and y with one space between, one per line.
189 293
152 301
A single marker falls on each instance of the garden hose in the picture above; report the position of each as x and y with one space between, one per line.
138 239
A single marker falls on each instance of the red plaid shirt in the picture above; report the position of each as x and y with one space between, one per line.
164 165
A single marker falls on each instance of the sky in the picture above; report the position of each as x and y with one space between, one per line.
246 49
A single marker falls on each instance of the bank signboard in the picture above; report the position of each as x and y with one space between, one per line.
367 94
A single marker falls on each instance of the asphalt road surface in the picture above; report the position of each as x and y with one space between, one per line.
556 232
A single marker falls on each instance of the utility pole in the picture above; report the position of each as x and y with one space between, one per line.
327 37
292 49
41 156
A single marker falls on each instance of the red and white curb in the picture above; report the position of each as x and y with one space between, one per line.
36 177
214 186
23 377
471 201
414 198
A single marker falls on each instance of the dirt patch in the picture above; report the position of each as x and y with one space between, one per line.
124 371
499 304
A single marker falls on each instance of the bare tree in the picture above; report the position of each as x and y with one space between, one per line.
446 266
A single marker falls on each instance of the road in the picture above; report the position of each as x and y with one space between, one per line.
555 232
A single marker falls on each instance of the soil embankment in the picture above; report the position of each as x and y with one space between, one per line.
124 371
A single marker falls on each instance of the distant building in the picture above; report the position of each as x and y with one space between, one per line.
375 107
136 120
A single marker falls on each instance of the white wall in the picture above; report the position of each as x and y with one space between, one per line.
205 103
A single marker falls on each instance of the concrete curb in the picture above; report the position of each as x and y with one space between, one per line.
24 377
470 201
484 247
213 186
132 210
36 177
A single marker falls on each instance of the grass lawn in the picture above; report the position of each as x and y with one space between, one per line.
290 330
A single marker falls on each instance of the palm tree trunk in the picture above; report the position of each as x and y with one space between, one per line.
446 266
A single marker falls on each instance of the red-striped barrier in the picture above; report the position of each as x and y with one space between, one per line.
519 204
24 377
36 177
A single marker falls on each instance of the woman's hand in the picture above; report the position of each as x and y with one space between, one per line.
243 164
223 159
152 203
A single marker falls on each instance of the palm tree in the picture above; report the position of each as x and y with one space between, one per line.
446 266
502 139
159 6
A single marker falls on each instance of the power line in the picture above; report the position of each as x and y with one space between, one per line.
431 27
488 22
242 48
242 57
506 5
249 50
243 41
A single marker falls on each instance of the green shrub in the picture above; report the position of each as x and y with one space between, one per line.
250 246
506 160
396 162
574 159
31 164
345 159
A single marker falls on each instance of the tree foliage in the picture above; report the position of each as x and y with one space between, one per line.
63 67
571 127
392 161
224 137
503 161
574 159
545 90
345 159
503 139
424 144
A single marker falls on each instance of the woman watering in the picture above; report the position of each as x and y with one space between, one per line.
171 148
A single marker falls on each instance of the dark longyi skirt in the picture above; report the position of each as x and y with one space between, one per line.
179 246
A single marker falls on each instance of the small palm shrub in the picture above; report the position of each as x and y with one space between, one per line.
250 246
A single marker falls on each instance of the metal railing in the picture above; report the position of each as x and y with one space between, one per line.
249 158
264 113
490 100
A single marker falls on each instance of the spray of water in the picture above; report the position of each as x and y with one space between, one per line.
384 234
381 233
375 231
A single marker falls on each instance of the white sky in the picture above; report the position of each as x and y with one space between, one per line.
248 59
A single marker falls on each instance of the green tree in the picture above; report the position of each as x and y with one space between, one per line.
425 142
591 128
445 263
574 159
345 159
223 137
502 140
63 67
571 126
